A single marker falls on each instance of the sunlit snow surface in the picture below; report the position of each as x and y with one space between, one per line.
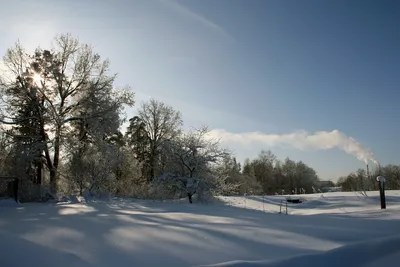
331 229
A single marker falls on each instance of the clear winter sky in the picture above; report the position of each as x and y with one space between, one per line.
273 66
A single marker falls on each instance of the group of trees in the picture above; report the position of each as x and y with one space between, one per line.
57 104
268 175
363 181
61 129
61 119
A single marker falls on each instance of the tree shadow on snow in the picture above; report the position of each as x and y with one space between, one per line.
16 252
179 234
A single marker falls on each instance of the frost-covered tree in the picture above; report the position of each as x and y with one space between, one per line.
66 84
193 152
104 168
191 157
92 170
280 176
236 182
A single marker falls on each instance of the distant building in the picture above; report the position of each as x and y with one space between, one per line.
328 186
322 184
331 189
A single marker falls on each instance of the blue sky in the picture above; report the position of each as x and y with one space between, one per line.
245 65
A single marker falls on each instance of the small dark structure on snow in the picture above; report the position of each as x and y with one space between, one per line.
294 200
9 187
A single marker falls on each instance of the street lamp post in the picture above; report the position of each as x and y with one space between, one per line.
382 180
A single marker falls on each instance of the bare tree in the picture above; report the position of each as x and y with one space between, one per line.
161 123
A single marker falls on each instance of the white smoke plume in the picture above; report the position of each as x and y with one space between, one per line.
302 140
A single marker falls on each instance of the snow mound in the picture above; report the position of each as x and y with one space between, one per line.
77 199
373 253
72 199
21 252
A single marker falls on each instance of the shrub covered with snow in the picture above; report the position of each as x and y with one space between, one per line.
168 186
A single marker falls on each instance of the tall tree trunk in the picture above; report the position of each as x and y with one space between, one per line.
53 181
80 188
39 171
56 160
152 164
190 198
152 172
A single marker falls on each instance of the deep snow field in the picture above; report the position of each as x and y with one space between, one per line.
330 229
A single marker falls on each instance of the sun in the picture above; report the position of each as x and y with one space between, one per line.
37 79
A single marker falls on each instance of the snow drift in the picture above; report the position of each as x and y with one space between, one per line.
374 253
21 252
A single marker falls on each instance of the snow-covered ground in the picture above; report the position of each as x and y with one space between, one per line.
331 229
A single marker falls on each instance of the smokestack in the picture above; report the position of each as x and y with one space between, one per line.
379 168
367 172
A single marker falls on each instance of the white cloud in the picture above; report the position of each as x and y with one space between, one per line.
301 140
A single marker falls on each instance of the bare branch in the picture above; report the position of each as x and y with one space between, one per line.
16 121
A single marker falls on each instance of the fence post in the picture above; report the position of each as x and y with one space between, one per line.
382 180
263 202
286 207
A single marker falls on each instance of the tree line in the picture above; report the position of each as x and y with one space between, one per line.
62 117
361 180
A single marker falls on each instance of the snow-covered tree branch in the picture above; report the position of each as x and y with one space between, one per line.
55 87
